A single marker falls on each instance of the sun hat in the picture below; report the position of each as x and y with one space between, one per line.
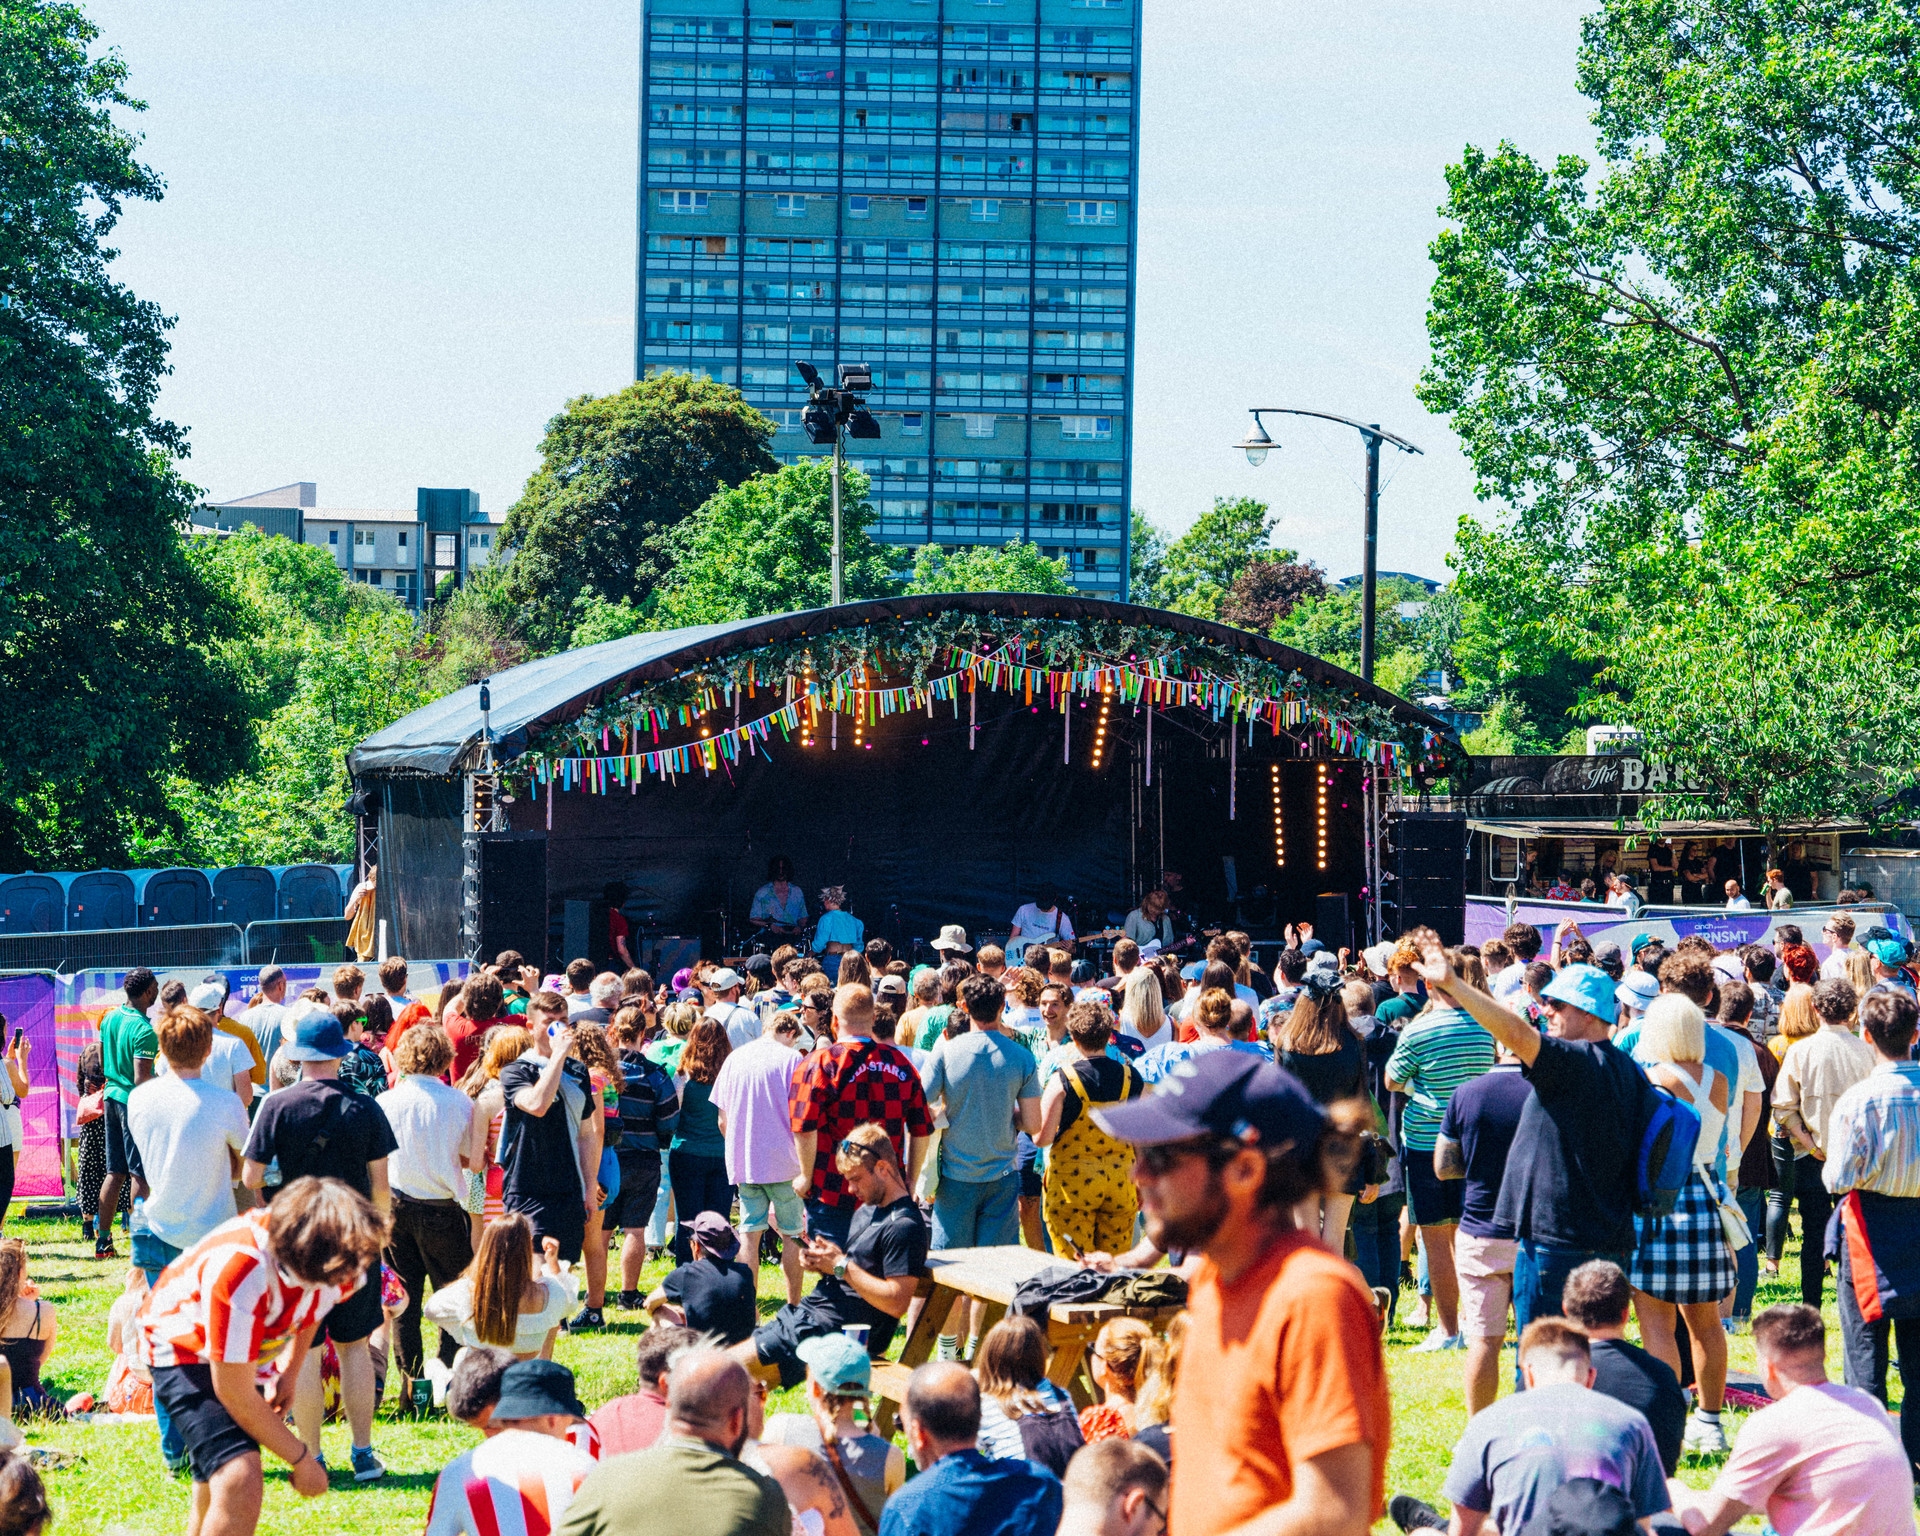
1636 990
953 937
1587 988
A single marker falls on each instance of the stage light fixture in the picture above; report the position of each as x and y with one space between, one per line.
1279 822
1324 779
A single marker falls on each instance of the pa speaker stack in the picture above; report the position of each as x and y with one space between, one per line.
1428 879
513 895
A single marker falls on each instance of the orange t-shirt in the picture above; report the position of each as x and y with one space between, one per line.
1280 1366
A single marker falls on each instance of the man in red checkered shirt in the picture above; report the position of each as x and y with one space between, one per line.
227 1327
857 1080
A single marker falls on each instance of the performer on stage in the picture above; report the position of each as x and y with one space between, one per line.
1040 921
838 932
1149 923
779 911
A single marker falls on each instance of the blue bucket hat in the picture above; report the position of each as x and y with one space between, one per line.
1587 988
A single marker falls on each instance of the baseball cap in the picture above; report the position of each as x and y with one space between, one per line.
1587 988
1636 990
1194 971
208 997
725 979
891 985
1891 950
1639 942
531 1388
1223 1092
837 1363
316 1037
716 1234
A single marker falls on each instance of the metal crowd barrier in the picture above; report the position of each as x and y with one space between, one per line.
121 949
297 941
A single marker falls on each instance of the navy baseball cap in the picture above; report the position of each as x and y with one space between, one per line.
1220 1092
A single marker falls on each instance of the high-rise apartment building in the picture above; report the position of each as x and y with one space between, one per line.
942 189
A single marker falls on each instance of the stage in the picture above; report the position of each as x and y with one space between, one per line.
939 758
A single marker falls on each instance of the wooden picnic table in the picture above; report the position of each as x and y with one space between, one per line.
992 1275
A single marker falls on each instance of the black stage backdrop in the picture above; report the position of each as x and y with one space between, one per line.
922 831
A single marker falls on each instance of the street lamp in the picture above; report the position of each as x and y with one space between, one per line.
827 412
1257 445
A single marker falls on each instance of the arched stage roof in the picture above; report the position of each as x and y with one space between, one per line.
444 737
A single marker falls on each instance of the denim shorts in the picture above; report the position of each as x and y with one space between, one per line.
985 1215
775 1204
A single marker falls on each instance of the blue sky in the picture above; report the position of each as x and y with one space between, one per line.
398 237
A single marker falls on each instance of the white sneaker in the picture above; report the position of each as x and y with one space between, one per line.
1704 1437
1438 1340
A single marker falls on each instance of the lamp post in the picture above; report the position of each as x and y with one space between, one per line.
827 412
1258 445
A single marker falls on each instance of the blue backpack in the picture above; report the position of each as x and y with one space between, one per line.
1668 1137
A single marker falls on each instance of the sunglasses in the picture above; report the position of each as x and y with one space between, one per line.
1159 1161
850 1148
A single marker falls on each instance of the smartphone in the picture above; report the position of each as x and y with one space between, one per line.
18 1035
1074 1251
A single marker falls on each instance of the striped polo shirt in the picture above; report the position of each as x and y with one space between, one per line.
1438 1051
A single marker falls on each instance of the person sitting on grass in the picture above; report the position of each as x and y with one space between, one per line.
525 1465
1519 1449
714 1293
634 1422
1115 1366
501 1299
28 1327
839 1382
1114 1488
24 1510
474 1387
245 1299
1022 1414
1821 1457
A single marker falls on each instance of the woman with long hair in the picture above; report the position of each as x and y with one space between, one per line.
1115 1363
1159 1375
1681 1261
1314 1042
503 1299
504 1044
594 1050
92 1149
1791 1180
697 1165
28 1327
1143 1009
676 1024
1022 1414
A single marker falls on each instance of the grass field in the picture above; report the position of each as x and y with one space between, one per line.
118 1484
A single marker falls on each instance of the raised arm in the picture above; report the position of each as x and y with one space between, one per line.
1506 1026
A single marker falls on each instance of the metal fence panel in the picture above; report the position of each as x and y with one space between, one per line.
298 941
123 948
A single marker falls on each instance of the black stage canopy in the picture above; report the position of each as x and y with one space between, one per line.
940 757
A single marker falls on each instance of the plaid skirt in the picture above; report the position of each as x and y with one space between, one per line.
1683 1257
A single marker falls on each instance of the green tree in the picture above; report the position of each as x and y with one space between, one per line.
766 547
1329 626
1147 559
617 474
474 632
1203 563
1269 588
111 680
1012 567
327 662
1690 373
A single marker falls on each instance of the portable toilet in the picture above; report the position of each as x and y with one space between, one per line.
101 898
174 898
311 890
245 894
33 904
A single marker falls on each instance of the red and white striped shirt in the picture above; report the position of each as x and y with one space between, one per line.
516 1484
227 1302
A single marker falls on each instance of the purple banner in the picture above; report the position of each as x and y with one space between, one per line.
28 1003
1486 919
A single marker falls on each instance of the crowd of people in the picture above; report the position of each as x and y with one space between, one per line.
1546 1138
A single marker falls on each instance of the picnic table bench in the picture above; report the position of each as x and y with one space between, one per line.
992 1275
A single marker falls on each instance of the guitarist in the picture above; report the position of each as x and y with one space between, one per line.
1040 921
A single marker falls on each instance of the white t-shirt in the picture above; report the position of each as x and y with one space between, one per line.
507 1477
1739 904
741 1024
431 1122
227 1060
183 1127
451 1307
1749 1081
1834 967
1508 982
1031 925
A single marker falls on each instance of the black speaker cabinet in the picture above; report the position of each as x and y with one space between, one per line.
513 894
1429 866
1332 922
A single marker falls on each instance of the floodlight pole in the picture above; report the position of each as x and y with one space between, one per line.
839 436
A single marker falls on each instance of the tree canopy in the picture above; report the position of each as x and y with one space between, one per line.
1689 375
1014 567
1202 565
617 474
113 680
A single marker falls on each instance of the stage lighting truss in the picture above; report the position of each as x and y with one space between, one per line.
1100 730
1323 780
1279 821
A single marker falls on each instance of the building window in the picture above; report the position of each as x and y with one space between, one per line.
912 424
445 548
333 536
1093 213
791 205
683 202
916 207
984 210
980 426
859 207
403 538
1086 426
403 584
784 419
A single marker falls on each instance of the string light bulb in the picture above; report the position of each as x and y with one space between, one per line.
1279 821
1323 780
1100 728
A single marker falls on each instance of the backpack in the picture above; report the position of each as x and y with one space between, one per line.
1664 1164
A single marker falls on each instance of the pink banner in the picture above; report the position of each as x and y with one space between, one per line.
28 1003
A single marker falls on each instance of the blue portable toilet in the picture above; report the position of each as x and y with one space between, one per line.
245 894
173 898
311 890
33 904
101 898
